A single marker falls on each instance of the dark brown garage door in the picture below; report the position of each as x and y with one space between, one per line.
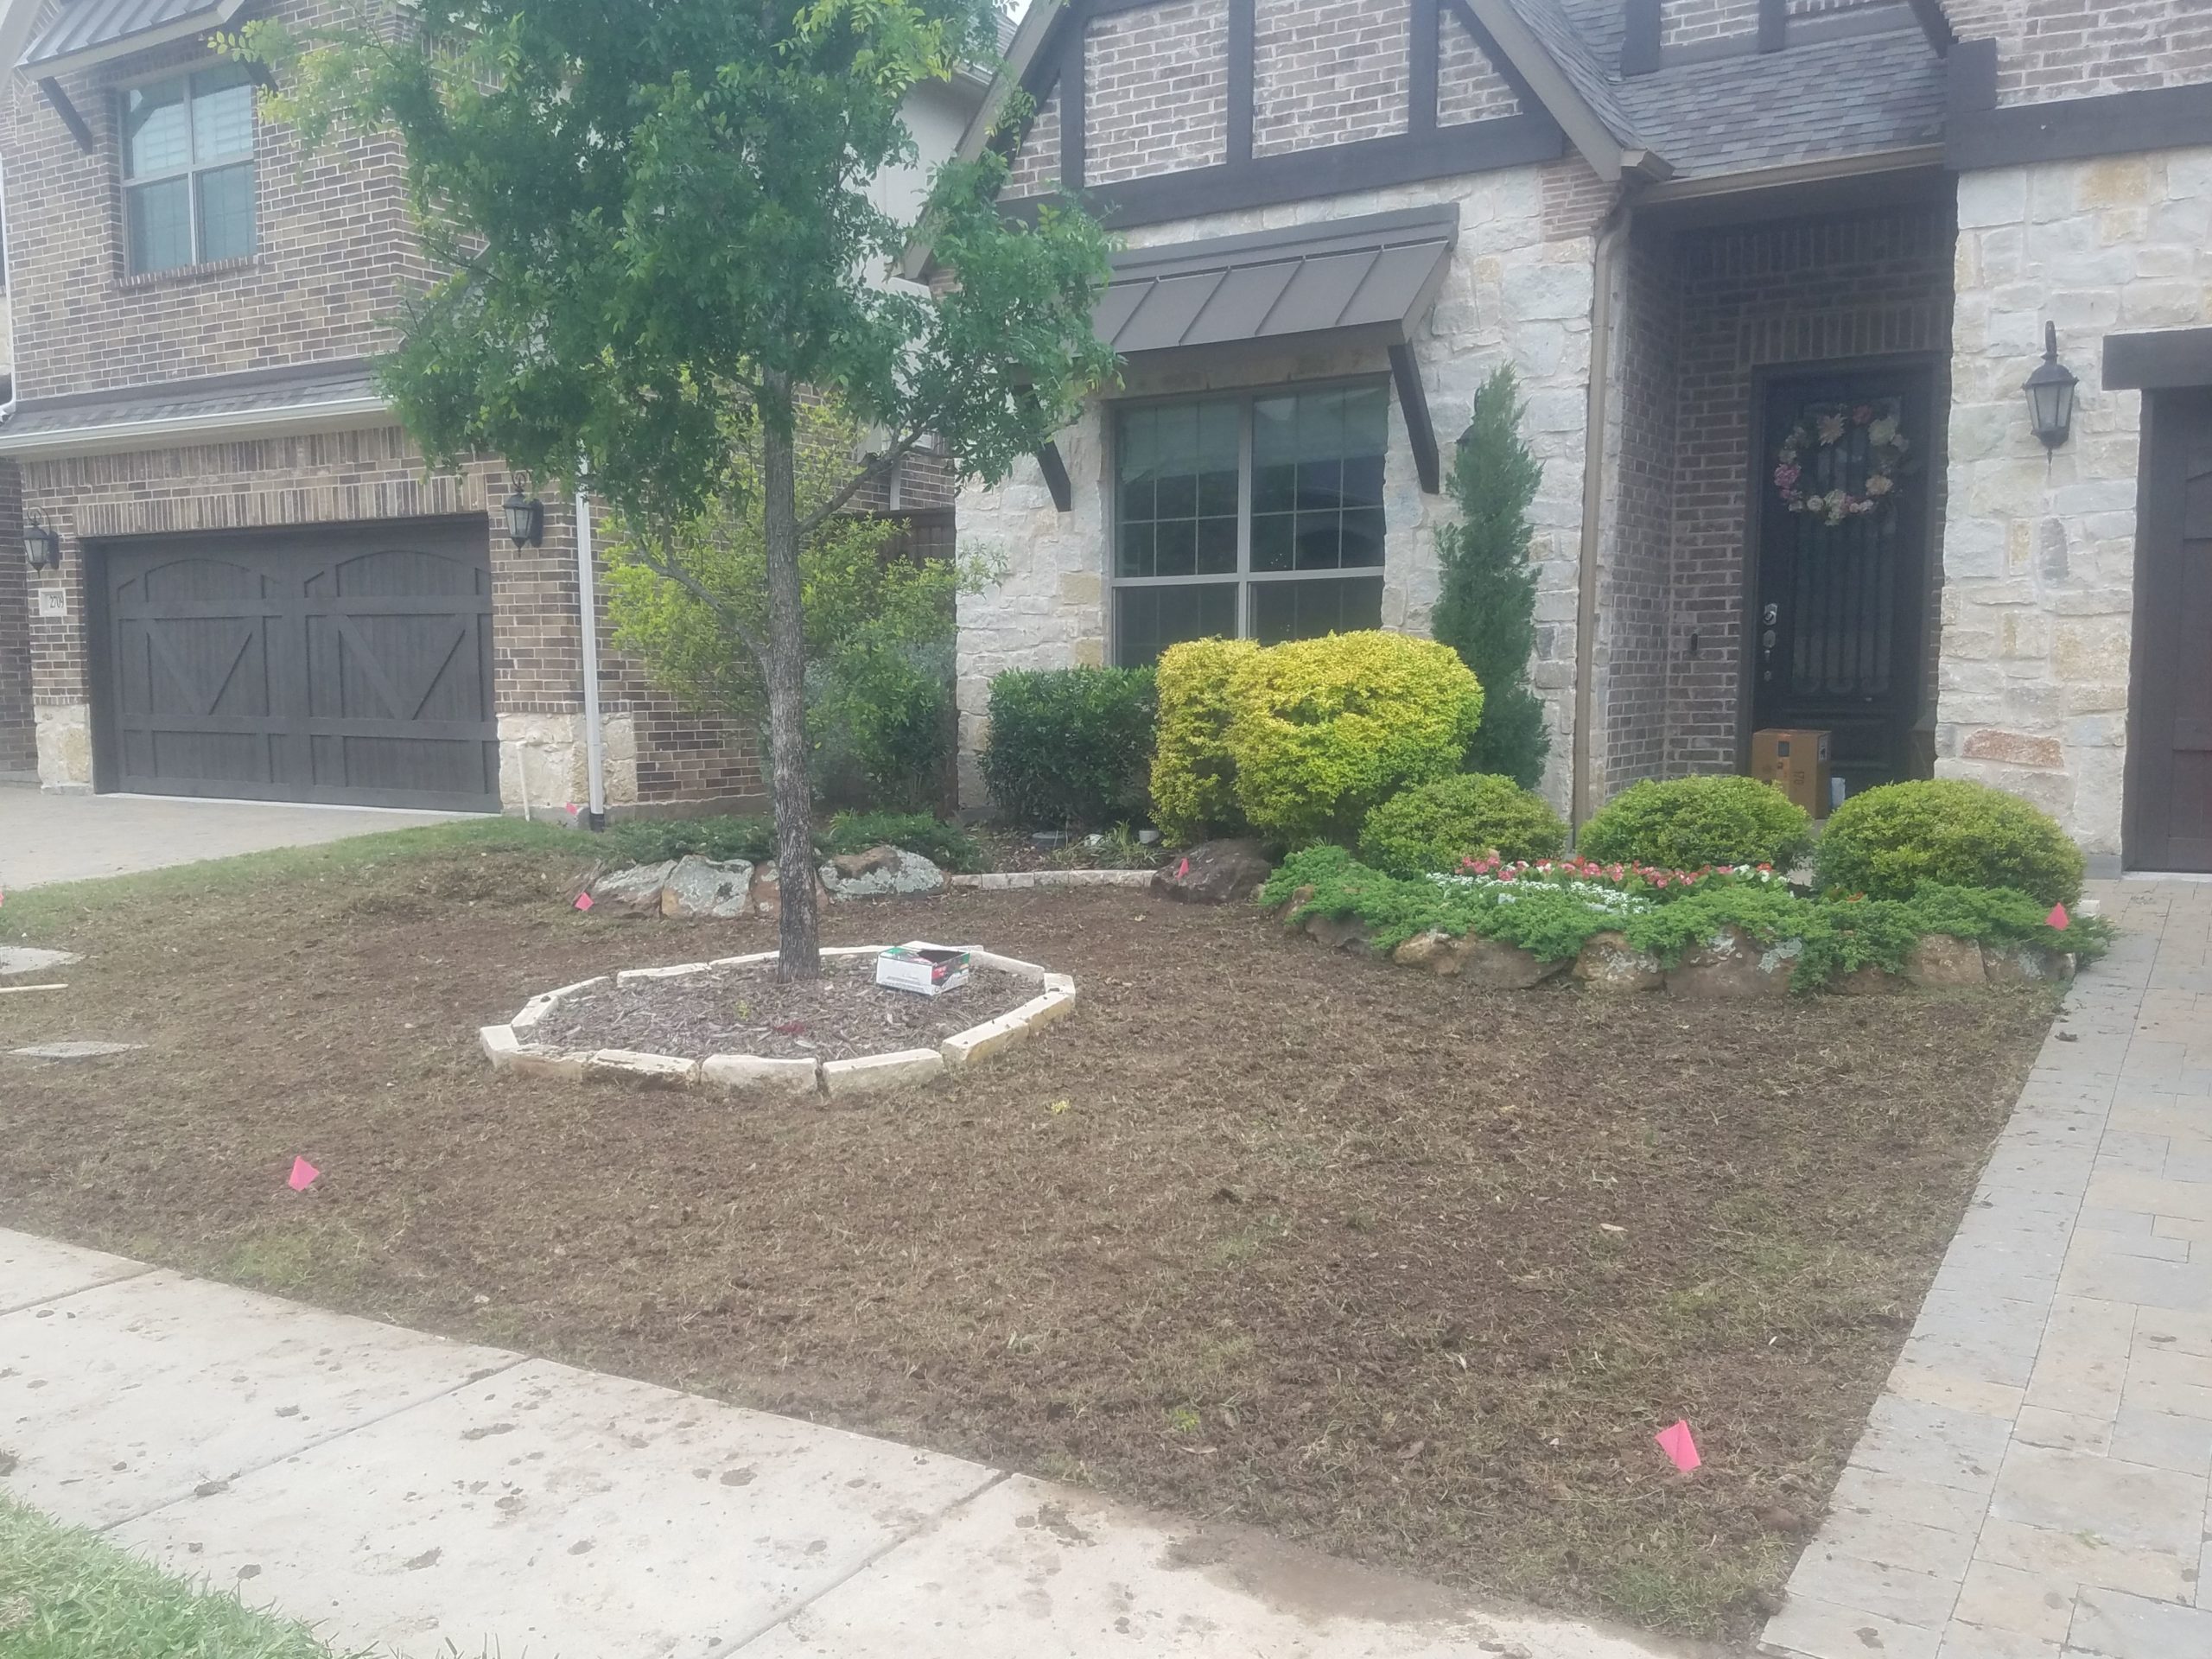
349 665
2170 743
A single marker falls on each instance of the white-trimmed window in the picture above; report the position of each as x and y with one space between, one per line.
1258 515
188 169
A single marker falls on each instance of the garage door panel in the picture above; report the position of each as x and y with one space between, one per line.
326 665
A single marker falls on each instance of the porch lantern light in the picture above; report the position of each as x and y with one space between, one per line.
2050 393
41 545
525 520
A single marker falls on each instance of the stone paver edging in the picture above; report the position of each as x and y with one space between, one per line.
2035 1481
511 1048
1021 880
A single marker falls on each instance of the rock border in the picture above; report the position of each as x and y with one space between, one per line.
510 1047
1005 880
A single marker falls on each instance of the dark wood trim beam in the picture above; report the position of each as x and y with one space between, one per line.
1423 48
1935 25
1640 40
1243 30
1970 79
1073 45
1413 398
1055 469
67 111
1774 25
2158 361
1303 176
2076 129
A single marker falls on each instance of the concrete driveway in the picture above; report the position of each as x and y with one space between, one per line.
46 838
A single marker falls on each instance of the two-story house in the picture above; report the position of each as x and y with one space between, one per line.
248 584
1774 276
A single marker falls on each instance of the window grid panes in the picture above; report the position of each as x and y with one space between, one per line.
1244 516
188 169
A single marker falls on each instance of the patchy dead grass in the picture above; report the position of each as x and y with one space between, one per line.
1392 1267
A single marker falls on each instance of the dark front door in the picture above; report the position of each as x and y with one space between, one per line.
1842 564
2168 818
326 663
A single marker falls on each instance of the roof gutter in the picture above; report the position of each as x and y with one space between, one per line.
1912 158
121 436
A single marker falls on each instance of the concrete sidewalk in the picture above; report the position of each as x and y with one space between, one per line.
47 838
2036 1481
398 1489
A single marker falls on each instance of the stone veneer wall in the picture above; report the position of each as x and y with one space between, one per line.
1803 292
655 753
18 744
2040 549
1518 291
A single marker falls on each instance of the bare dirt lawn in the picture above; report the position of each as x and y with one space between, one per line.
1390 1267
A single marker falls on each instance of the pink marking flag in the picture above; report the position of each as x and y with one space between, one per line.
583 901
1679 1448
2058 918
303 1175
572 809
1182 869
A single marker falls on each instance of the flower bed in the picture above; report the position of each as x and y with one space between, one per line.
1554 909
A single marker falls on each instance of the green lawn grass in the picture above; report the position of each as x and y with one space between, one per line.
66 1594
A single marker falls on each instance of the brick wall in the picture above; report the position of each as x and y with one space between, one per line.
1327 72
333 254
2079 48
1156 91
1468 86
1631 669
1796 292
18 748
351 476
1694 22
1036 169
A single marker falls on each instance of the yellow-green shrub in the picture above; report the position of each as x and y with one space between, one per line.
1322 730
1193 781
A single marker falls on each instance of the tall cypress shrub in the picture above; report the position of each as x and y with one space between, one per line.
1487 611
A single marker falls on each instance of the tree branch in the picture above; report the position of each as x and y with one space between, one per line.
669 569
882 464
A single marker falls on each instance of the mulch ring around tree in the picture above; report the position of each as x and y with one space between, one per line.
745 1009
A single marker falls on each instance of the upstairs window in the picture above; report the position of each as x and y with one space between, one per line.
1257 516
188 170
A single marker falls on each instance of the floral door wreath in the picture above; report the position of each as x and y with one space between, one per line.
1806 445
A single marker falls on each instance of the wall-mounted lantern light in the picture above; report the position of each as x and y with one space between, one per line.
2050 393
41 545
525 520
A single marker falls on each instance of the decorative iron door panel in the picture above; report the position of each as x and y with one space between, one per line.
1841 589
343 664
2169 744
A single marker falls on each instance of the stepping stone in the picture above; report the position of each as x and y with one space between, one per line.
78 1050
22 959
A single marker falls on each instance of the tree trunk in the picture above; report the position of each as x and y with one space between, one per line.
800 936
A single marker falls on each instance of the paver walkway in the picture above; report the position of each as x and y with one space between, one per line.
2036 1480
403 1490
53 837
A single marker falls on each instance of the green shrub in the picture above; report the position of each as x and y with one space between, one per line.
879 718
1688 824
1324 730
1887 842
1435 825
946 845
1070 746
1193 779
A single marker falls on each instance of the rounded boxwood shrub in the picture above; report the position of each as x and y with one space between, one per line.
1193 779
1885 843
1070 745
1686 824
1435 825
1321 731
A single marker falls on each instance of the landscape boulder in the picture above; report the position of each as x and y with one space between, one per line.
2025 964
1433 952
1494 965
878 872
768 893
1733 967
1214 872
634 891
1339 932
701 890
1609 964
1939 959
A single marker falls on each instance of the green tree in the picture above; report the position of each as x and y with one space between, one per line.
1487 610
655 222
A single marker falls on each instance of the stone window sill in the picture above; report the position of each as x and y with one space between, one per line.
210 269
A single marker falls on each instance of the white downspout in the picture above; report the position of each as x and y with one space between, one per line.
14 369
587 613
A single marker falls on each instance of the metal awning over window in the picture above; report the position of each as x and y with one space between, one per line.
91 31
1376 275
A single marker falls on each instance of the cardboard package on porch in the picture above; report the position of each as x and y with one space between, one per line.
1796 763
